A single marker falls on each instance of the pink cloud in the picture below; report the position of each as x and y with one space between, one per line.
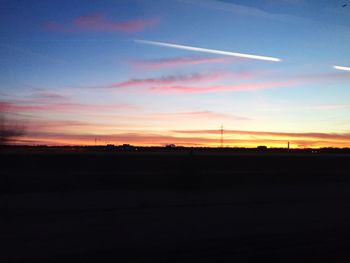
217 88
10 106
198 114
321 78
169 80
50 96
53 26
97 22
25 106
45 125
299 107
53 124
175 62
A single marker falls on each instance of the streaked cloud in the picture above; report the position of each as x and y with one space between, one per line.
199 83
321 77
217 88
34 106
309 107
210 51
53 125
204 114
98 22
228 6
287 15
152 64
169 80
49 96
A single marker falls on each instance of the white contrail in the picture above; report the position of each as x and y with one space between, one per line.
342 68
206 50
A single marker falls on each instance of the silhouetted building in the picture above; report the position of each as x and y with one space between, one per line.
126 147
262 148
110 147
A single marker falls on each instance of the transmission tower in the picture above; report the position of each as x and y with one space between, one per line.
222 136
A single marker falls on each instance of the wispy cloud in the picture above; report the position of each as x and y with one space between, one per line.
169 80
229 7
247 10
152 64
98 22
289 14
212 82
193 83
319 77
218 88
49 96
35 106
210 51
209 82
204 114
309 107
43 100
51 125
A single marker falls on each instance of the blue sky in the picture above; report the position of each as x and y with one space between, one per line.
70 71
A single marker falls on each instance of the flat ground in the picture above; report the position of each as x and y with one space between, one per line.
174 207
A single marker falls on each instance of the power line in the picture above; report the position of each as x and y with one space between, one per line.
222 136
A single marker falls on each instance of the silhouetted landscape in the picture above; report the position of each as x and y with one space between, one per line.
156 204
176 131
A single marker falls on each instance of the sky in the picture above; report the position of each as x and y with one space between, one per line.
157 72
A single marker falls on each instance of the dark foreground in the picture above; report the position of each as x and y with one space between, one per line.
174 207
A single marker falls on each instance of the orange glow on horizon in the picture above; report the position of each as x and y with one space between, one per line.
154 140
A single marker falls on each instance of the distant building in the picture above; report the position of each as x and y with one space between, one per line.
262 148
110 146
126 147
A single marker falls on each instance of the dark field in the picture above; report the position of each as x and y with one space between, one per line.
175 207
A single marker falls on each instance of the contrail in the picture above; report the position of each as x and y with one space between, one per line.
342 68
206 50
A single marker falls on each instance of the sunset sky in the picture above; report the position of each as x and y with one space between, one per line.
111 71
